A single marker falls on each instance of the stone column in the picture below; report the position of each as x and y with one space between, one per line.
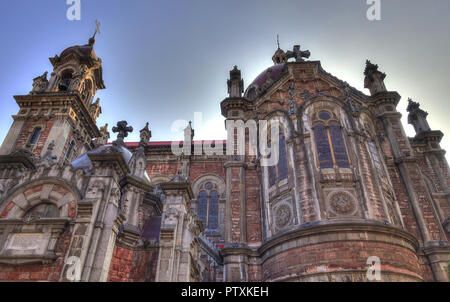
175 237
236 267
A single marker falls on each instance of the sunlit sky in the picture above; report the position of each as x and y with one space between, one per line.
164 60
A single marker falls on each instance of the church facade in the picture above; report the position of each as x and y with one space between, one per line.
349 192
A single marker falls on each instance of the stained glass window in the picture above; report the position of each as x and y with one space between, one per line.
323 146
376 159
43 210
330 144
202 209
208 206
282 160
340 152
279 171
272 171
213 214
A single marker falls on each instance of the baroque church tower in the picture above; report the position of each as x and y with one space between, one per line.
60 113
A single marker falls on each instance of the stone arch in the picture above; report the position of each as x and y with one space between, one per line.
331 103
31 194
201 180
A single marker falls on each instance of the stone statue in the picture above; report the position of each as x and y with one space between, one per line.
40 83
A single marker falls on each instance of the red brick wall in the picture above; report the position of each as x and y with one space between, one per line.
253 207
39 272
199 168
133 266
339 256
27 131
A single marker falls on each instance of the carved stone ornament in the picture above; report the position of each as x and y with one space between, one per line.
40 83
342 203
283 216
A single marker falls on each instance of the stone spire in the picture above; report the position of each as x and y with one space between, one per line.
235 83
417 117
374 79
145 134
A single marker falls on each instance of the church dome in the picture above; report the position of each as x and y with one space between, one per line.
85 51
264 80
275 73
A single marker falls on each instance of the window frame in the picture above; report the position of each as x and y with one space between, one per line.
327 124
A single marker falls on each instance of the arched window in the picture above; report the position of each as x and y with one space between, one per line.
208 206
279 171
66 78
330 144
43 210
375 157
35 135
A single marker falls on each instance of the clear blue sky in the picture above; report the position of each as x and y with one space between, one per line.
164 60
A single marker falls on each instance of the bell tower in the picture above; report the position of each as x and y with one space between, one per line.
60 111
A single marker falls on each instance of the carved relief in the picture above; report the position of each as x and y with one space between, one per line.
283 216
341 204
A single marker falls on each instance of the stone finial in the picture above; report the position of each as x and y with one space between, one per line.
145 135
104 136
374 79
188 133
298 54
417 117
235 83
122 129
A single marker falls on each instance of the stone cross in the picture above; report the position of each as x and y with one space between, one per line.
122 129
298 54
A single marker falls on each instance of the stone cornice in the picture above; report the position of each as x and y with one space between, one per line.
60 98
16 160
385 97
184 186
137 182
339 226
112 158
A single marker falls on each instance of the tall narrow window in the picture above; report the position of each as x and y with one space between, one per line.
279 171
35 136
208 206
375 157
70 151
330 144
282 160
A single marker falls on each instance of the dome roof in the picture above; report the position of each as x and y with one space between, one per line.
84 162
84 51
264 80
274 71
